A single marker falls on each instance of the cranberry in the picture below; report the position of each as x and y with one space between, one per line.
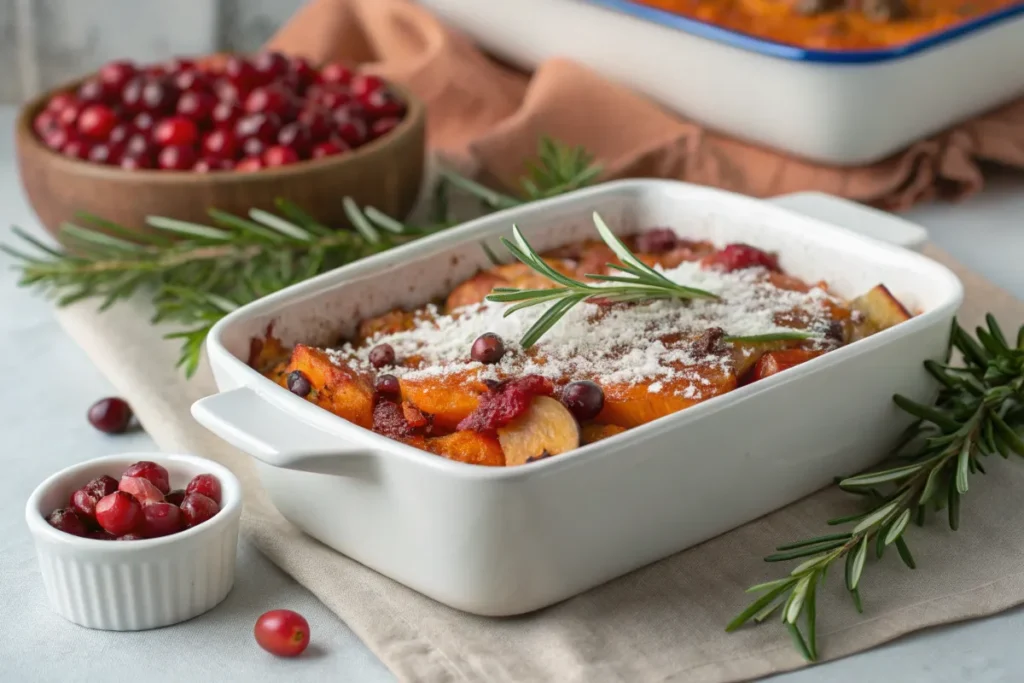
382 355
142 490
156 474
68 116
131 537
334 98
120 134
117 74
96 121
295 136
118 513
76 149
382 127
220 144
505 403
192 80
175 497
301 74
657 241
57 139
159 97
225 114
101 486
326 149
110 415
143 121
176 158
488 348
176 130
226 91
83 502
67 521
139 144
241 73
160 519
282 632
95 91
584 399
205 484
131 94
336 73
179 64
350 126
741 256
254 147
279 155
196 106
269 100
381 103
388 385
45 123
197 508
362 85
249 164
270 66
59 102
106 154
316 122
261 126
136 162
298 383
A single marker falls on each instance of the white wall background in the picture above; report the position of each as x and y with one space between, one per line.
46 42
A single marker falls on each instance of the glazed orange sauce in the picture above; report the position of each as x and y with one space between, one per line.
832 25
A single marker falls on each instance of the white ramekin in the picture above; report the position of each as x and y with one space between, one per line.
136 585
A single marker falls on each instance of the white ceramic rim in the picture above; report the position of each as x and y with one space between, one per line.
382 446
231 503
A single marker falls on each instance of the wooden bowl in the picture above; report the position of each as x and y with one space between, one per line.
385 173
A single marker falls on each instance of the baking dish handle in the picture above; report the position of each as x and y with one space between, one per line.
855 217
273 436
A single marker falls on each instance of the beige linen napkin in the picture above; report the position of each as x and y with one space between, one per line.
663 622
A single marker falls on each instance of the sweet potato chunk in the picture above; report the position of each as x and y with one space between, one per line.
473 290
470 447
631 405
596 432
336 387
449 398
775 362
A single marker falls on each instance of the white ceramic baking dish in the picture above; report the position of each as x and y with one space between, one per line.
501 541
834 107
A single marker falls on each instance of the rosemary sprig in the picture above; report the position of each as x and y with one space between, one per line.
196 273
979 412
640 283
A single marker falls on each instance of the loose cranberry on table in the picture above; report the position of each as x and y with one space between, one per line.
282 632
110 415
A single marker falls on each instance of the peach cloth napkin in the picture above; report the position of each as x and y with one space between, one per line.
488 117
660 623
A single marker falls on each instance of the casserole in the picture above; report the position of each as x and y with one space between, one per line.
834 107
501 541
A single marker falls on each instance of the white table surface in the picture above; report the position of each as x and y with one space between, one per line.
48 383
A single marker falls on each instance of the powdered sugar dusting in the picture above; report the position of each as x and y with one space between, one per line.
650 343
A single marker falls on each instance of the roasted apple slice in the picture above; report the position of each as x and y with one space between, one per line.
879 310
547 428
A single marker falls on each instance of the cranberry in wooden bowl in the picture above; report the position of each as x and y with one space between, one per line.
118 554
230 133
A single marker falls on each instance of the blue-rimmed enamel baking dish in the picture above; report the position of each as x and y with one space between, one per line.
837 107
